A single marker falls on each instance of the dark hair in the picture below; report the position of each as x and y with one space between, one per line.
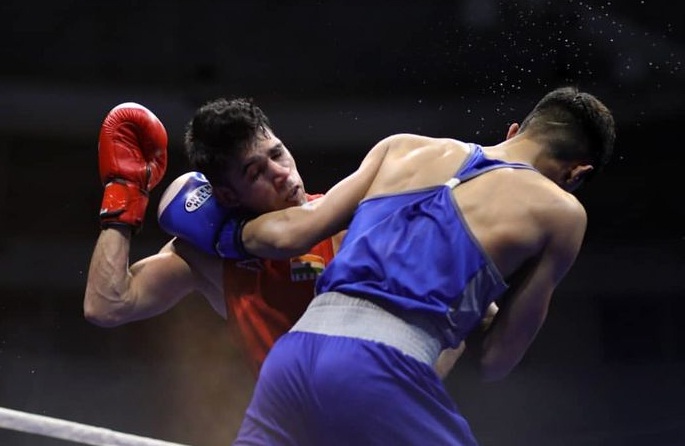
219 132
575 125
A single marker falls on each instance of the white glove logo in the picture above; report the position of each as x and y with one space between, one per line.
197 197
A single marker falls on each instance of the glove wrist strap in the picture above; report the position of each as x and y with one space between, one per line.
123 203
230 241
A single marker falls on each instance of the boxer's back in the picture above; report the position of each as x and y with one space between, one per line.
505 209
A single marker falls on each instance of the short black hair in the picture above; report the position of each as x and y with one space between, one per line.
575 124
221 130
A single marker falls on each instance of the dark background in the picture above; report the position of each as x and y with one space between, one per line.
608 367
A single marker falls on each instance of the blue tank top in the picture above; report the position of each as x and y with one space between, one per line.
412 251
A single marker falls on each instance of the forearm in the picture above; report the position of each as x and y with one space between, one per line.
490 314
285 233
108 278
447 359
280 235
477 338
501 346
450 356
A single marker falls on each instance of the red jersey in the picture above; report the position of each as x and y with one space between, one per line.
267 297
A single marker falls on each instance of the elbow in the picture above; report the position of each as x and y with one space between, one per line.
492 374
492 368
100 319
501 353
98 315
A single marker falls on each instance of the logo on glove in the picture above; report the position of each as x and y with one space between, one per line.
197 197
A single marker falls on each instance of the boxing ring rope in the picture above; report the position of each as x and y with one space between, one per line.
69 430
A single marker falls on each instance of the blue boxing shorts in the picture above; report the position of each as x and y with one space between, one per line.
350 373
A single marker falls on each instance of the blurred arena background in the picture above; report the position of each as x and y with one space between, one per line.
336 76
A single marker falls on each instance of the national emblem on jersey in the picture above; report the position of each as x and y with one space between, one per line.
306 267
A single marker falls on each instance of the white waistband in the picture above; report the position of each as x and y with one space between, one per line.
337 314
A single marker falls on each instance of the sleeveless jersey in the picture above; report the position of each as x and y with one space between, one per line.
266 297
413 251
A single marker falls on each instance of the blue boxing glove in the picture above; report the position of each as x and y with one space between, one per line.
189 211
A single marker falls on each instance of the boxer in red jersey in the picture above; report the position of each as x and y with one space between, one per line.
231 142
266 297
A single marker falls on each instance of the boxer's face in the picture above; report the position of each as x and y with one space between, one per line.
264 177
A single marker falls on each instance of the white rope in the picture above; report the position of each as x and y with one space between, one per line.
69 430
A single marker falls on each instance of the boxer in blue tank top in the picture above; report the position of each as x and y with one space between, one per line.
441 229
414 251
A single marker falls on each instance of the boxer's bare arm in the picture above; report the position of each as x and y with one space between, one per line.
524 309
117 294
132 158
295 230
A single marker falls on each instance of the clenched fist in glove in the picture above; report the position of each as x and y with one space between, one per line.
188 210
132 154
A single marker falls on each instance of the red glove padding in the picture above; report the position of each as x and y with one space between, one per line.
132 154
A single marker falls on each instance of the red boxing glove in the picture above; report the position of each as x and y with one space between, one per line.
132 154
